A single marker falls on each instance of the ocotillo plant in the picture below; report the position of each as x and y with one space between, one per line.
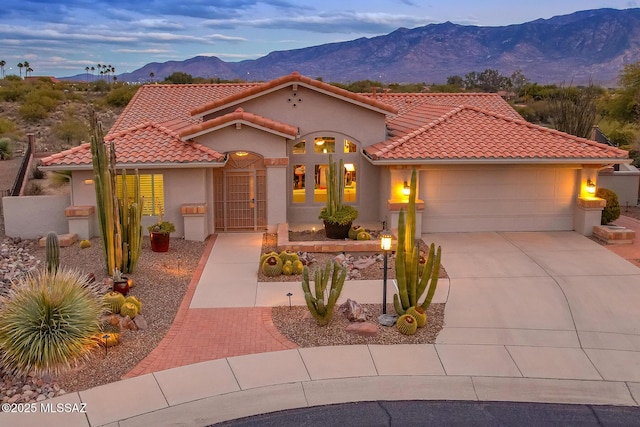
52 252
323 311
411 284
120 220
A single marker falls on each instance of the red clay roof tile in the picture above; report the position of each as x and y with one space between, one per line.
239 116
471 133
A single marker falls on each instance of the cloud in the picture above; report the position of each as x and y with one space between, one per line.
138 51
338 22
158 24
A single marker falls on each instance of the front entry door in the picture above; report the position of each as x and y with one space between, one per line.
240 199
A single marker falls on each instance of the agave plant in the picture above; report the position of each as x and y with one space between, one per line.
47 321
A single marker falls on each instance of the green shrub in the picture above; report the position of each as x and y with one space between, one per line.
6 126
611 212
37 173
47 321
6 148
32 112
121 96
71 130
34 189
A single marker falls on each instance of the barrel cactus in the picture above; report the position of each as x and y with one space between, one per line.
288 256
407 324
129 309
113 301
84 244
298 266
135 301
272 266
354 230
287 268
419 314
266 255
52 252
363 235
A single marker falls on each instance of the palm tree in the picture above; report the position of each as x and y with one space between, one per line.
87 70
28 70
2 64
151 76
93 69
104 69
20 65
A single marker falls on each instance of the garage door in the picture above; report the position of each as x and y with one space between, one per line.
498 198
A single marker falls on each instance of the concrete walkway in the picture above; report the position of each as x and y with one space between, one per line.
535 317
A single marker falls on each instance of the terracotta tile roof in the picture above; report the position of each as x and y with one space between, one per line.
145 144
164 103
240 116
470 133
294 77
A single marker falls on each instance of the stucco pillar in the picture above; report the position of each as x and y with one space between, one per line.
587 214
276 192
81 220
194 217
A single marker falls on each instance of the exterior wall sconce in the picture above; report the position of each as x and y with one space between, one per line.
241 153
406 190
591 187
88 181
385 245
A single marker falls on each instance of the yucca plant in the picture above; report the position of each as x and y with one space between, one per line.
47 321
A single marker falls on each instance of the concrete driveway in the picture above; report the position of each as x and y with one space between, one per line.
547 297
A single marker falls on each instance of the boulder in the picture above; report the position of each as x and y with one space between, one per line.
363 328
354 311
388 319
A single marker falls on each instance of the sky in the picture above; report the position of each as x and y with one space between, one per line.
62 37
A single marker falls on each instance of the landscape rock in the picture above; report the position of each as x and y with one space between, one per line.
387 319
363 328
140 322
354 311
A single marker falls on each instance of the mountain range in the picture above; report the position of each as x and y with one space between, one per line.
575 48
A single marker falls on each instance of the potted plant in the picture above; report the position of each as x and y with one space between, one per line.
336 216
120 282
159 234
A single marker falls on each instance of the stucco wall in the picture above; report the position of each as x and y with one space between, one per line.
624 183
29 217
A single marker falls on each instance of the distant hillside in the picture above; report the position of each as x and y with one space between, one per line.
590 44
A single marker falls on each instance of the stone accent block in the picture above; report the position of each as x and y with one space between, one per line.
64 239
326 246
591 203
193 209
614 234
79 211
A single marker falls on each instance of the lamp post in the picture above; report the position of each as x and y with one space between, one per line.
385 245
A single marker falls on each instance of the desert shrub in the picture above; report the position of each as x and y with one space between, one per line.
121 96
611 212
37 173
32 112
6 126
6 148
34 189
71 130
47 321
61 178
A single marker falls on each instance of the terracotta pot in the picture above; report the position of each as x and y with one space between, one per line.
335 231
159 241
121 286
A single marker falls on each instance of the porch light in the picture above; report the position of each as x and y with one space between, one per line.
591 187
241 153
406 190
385 241
349 167
319 141
88 181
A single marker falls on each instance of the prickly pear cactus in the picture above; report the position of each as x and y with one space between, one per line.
129 309
419 314
135 301
407 324
363 235
113 301
272 266
287 268
298 266
354 230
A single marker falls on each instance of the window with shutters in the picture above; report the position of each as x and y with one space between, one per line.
151 188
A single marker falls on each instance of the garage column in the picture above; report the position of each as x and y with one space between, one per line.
588 214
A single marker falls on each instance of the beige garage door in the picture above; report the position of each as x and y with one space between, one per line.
498 198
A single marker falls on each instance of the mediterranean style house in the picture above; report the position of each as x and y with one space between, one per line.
236 157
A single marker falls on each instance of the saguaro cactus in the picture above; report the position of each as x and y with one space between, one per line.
411 285
323 311
52 252
120 219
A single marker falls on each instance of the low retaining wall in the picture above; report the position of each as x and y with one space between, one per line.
30 217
